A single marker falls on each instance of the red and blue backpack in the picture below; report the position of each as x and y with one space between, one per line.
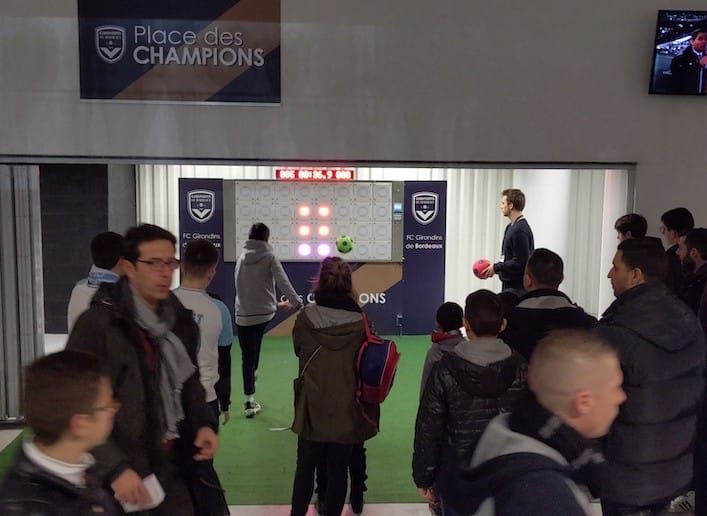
376 366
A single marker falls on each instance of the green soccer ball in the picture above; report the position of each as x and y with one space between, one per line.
344 244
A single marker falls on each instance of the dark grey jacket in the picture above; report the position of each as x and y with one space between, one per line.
692 287
435 353
661 346
467 388
107 329
29 490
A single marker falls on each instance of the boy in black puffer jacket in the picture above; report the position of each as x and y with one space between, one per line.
467 388
450 319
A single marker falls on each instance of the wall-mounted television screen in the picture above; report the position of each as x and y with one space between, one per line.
680 53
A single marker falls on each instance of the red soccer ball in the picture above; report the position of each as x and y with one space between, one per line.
480 266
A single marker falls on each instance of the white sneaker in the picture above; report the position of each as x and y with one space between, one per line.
684 503
251 408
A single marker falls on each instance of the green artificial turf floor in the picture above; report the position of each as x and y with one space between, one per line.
256 463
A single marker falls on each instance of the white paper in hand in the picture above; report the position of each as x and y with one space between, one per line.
153 487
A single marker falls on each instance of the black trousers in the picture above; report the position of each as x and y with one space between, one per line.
250 339
700 468
216 411
311 454
357 473
178 501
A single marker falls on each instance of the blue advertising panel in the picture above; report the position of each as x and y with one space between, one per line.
201 218
379 287
425 220
180 51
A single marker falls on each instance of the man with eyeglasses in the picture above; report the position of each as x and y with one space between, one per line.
148 342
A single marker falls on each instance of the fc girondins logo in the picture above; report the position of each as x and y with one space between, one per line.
201 205
110 43
425 206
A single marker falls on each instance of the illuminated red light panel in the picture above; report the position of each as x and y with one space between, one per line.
315 174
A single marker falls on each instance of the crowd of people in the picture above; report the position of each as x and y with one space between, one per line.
607 409
526 401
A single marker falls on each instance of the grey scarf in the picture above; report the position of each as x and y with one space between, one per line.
175 364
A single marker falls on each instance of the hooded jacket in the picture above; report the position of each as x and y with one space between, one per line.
258 274
538 312
467 388
439 347
661 347
326 341
512 470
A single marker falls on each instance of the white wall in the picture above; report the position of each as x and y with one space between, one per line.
549 81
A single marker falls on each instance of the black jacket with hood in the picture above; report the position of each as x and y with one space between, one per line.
467 388
661 346
539 312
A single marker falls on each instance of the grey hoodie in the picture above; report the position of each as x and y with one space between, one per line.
483 350
258 273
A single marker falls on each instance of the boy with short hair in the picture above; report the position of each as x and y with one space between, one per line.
480 378
199 263
69 406
106 254
449 319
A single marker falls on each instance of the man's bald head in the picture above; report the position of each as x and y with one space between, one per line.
576 375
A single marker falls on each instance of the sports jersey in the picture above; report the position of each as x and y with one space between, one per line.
84 291
216 330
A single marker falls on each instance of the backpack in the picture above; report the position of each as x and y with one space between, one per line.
376 366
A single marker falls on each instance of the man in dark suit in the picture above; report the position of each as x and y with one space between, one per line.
687 69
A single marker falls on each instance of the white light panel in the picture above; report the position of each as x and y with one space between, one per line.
361 210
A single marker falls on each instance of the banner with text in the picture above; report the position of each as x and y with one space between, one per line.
180 51
201 218
424 242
